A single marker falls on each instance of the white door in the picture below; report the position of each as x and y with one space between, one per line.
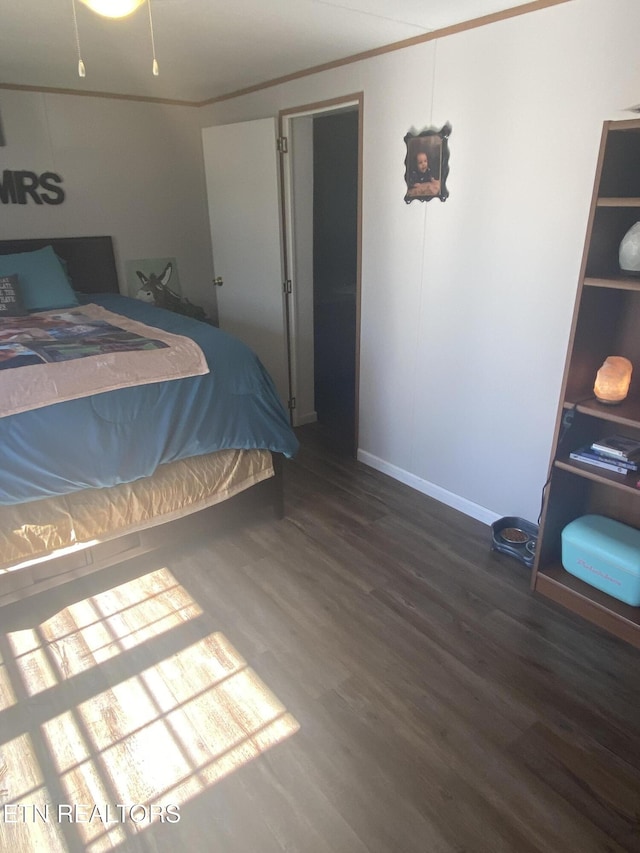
241 165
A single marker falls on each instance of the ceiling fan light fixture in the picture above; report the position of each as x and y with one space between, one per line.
113 8
116 9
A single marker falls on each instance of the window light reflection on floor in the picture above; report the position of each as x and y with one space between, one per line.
7 693
156 709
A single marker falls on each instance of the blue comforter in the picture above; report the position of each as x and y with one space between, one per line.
120 436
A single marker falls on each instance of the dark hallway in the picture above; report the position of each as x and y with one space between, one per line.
335 146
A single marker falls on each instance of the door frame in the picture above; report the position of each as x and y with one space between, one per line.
285 117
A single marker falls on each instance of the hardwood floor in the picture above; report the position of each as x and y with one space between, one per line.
362 676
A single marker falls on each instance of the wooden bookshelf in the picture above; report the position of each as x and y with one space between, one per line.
606 322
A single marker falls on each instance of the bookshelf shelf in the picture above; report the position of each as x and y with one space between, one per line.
617 282
614 616
601 475
626 414
606 322
619 201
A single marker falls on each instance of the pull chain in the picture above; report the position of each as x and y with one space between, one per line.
154 68
81 69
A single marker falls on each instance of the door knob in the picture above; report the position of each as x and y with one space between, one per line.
218 281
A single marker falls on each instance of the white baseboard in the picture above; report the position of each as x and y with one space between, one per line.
308 418
474 510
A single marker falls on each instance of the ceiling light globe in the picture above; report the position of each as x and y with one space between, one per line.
113 8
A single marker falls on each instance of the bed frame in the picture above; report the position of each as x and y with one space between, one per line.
92 269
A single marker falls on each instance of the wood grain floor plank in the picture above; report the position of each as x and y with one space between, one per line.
595 781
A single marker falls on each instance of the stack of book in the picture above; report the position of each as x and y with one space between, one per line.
613 452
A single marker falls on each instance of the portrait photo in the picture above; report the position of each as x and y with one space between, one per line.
427 164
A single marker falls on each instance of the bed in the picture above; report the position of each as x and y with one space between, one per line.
90 478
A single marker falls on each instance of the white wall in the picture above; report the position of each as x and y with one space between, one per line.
130 170
466 305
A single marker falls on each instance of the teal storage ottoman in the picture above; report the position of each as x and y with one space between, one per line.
604 553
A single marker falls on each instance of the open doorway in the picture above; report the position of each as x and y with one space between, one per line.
322 202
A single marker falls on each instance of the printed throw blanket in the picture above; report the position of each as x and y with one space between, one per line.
63 355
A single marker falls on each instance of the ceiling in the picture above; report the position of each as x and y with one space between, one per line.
207 48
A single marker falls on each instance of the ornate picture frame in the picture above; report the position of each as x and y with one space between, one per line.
427 164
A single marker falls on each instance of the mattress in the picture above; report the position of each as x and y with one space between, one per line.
59 525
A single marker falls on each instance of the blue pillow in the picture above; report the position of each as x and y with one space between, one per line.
65 267
43 283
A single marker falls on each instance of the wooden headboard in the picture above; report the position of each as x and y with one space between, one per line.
90 260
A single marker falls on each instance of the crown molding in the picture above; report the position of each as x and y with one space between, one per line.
433 35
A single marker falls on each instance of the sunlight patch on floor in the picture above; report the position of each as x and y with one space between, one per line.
138 704
22 786
7 694
36 668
